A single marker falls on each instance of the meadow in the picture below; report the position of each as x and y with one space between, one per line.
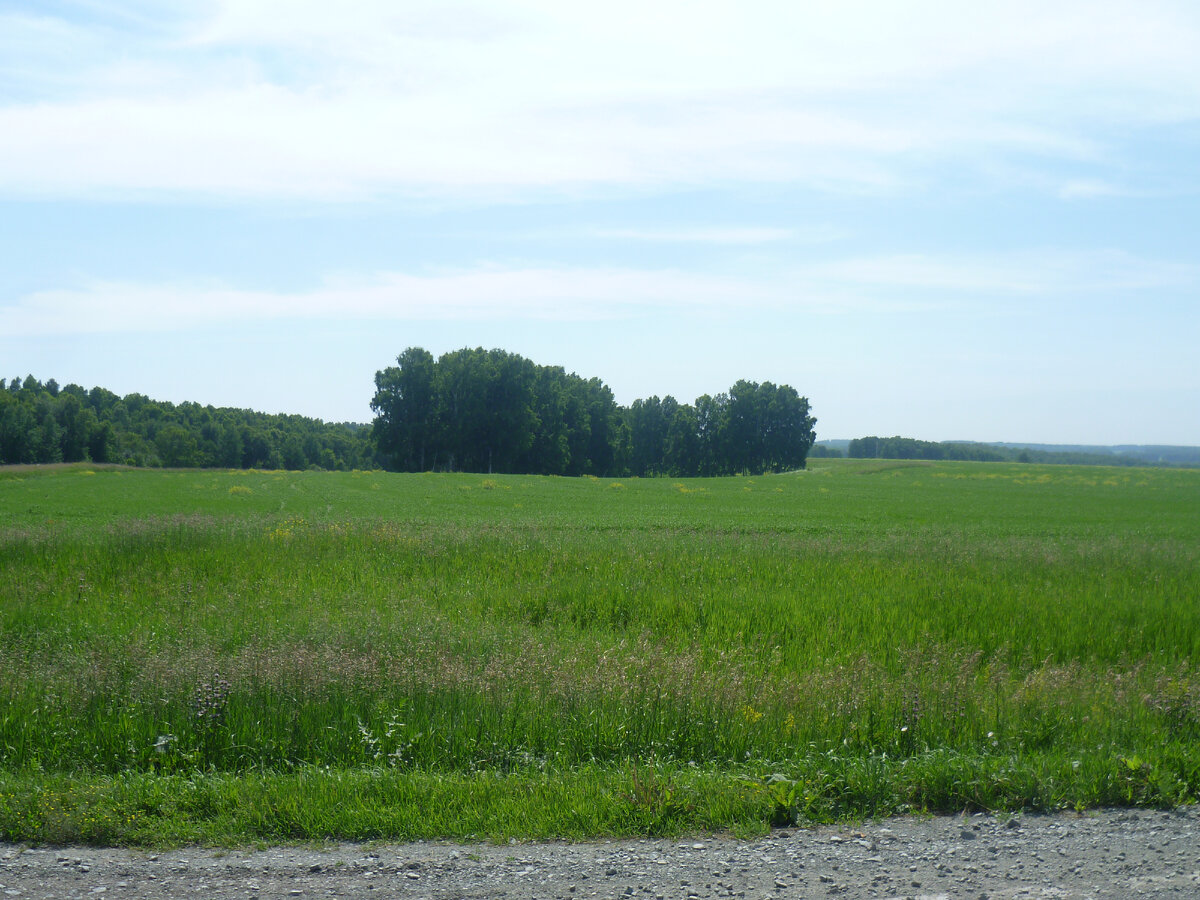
230 656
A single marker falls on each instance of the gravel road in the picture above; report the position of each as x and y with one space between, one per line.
1099 854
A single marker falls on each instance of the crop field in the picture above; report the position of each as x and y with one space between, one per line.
214 656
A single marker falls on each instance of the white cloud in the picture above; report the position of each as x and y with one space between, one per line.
538 294
1046 274
733 235
268 140
300 98
1087 188
883 284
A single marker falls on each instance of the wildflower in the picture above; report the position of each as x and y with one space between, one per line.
210 700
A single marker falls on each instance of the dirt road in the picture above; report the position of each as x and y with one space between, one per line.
1100 854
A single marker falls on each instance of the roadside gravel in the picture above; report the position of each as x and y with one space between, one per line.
1098 854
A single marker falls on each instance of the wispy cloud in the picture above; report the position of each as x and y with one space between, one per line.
1034 273
1088 188
732 235
882 284
539 294
271 98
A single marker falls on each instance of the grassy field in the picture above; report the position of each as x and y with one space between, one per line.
231 656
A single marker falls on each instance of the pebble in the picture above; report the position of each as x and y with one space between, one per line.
1102 854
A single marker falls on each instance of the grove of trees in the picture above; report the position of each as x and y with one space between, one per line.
43 423
493 411
470 410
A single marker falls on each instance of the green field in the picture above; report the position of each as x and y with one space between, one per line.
239 656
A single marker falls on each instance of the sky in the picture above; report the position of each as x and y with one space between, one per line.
944 220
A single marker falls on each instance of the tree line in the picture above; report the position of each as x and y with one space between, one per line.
897 447
469 410
45 423
492 411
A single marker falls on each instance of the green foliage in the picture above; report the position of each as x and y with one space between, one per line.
293 655
492 411
908 448
489 410
48 424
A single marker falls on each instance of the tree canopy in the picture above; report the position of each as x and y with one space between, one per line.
43 423
896 447
471 410
493 411
490 410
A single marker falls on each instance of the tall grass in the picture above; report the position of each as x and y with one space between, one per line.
852 639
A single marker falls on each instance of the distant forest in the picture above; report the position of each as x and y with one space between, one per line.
909 448
482 410
479 410
45 423
471 410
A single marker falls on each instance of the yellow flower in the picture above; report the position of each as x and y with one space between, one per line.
751 714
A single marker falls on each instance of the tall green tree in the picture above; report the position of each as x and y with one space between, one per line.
681 450
791 430
176 446
17 427
404 404
649 421
550 451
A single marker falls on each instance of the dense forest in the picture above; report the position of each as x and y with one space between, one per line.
492 411
909 448
483 411
471 410
43 423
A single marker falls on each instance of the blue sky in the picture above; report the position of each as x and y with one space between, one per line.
943 220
